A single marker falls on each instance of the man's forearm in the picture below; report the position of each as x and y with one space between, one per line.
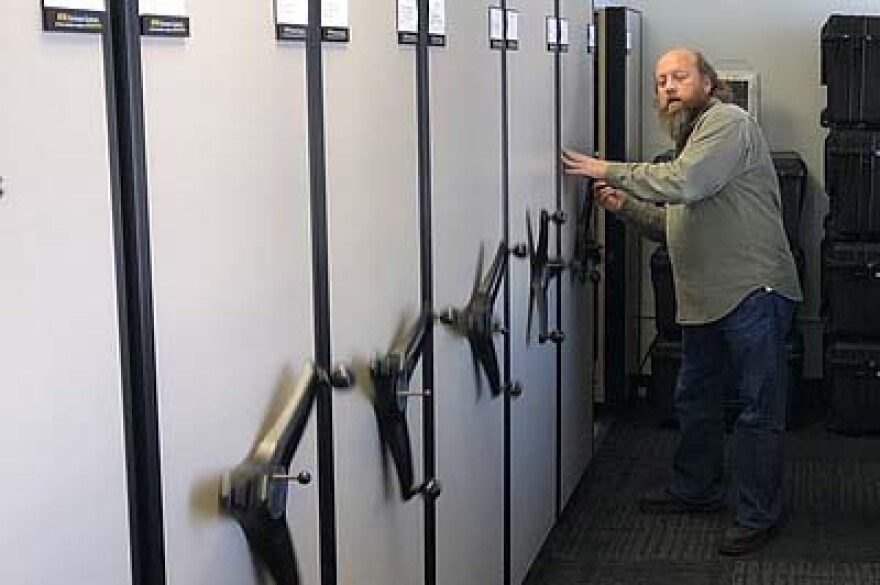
713 155
647 218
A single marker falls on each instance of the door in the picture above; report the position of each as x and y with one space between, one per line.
531 91
65 515
466 168
228 185
579 286
372 190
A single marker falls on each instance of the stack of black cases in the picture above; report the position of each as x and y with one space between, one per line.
851 249
666 351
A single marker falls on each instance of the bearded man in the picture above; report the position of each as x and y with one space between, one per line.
736 286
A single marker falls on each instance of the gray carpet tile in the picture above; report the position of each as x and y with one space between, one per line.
826 536
657 574
831 535
826 484
555 571
804 573
656 542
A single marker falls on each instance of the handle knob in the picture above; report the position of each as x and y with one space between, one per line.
431 489
515 390
447 317
342 377
556 337
302 478
520 250
415 393
556 266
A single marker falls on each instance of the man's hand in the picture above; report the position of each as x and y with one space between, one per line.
577 163
608 197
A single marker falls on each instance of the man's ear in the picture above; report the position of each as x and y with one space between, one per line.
707 85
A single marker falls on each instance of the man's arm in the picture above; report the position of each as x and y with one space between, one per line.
647 218
711 158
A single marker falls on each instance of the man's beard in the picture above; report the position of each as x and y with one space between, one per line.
680 123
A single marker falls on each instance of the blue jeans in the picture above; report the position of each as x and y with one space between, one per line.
748 344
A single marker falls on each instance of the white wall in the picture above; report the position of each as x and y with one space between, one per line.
781 41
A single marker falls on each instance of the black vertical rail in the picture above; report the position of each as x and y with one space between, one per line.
597 287
321 290
131 235
615 231
557 75
426 260
505 234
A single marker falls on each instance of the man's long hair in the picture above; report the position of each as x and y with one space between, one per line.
719 89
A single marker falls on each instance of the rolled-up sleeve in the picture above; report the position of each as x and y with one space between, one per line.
647 218
711 157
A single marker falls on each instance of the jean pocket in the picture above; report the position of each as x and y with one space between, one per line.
752 313
785 308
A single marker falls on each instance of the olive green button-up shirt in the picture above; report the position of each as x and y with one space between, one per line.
723 215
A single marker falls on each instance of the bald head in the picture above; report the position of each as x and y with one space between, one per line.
686 61
680 53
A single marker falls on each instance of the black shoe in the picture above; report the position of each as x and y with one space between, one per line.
660 501
742 540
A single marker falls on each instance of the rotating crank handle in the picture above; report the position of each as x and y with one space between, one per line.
342 377
431 489
520 250
415 393
447 317
302 478
413 345
556 337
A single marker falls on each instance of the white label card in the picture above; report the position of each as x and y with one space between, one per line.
496 24
563 32
512 25
92 5
437 18
334 13
163 7
408 16
551 30
295 12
